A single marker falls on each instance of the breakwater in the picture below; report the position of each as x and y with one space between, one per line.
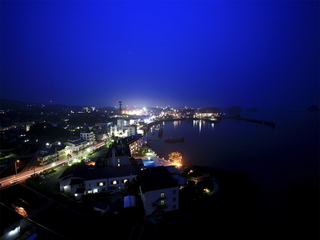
269 123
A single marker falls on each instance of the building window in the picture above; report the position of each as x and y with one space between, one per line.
162 202
174 191
162 194
174 199
89 191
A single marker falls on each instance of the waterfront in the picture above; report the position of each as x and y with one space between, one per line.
279 159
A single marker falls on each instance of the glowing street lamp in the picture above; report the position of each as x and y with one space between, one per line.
179 165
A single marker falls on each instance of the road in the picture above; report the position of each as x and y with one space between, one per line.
22 176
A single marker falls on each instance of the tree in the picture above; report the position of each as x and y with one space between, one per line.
132 186
175 157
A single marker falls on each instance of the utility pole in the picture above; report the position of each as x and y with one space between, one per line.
15 165
34 168
56 155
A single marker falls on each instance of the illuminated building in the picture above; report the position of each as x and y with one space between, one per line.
89 137
159 192
79 180
76 144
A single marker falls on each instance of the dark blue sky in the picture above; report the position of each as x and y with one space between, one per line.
194 53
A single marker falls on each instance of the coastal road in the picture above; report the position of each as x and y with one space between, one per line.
22 176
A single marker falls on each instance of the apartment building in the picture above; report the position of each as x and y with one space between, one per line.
89 137
76 144
80 180
159 192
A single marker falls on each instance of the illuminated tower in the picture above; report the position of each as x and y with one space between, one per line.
120 107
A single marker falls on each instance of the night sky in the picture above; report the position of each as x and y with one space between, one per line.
195 53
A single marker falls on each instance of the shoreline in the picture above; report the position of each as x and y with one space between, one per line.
238 117
271 124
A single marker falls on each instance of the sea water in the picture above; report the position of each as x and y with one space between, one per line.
275 157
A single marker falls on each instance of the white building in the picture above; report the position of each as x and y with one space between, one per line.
89 137
79 180
122 129
121 123
76 144
109 179
72 179
131 130
159 192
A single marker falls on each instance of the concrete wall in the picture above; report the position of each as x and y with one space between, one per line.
170 198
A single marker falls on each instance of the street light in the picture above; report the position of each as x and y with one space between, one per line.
15 165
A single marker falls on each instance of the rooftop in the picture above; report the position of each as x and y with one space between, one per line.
155 178
109 172
76 140
76 170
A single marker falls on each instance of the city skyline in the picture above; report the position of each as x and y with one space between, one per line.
146 53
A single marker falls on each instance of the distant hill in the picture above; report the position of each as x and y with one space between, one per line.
17 105
209 110
13 104
313 108
252 110
234 110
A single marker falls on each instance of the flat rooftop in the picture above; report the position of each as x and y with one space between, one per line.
155 178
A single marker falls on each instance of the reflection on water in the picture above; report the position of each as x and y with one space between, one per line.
21 207
176 124
273 156
197 124
20 210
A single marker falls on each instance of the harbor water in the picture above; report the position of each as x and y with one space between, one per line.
276 158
